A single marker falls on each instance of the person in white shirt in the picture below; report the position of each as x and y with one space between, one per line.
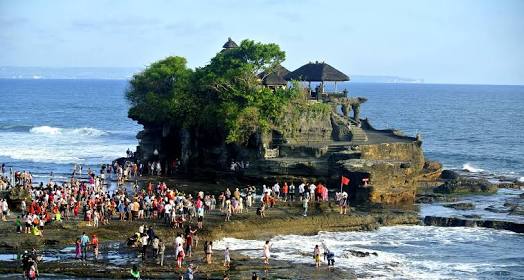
301 190
312 188
276 190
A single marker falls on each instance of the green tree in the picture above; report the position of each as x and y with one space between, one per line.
160 93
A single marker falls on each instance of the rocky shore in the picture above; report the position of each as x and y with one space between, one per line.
116 258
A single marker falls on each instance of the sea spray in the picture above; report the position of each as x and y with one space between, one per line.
404 252
470 168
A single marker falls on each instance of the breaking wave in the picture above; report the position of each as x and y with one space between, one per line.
83 131
470 168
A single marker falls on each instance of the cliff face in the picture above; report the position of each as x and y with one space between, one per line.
308 146
392 169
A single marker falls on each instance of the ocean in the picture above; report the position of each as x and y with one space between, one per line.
48 125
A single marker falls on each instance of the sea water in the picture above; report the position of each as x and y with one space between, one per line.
47 125
404 252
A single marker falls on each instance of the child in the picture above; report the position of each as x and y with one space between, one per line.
305 205
18 225
78 249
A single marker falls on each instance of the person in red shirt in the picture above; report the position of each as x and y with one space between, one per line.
95 244
285 190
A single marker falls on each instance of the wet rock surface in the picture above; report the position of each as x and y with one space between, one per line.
461 206
463 185
463 222
359 254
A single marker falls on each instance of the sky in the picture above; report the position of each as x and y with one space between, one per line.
441 41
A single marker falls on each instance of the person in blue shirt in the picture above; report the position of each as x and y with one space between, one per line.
84 241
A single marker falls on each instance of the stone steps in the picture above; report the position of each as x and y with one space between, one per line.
358 135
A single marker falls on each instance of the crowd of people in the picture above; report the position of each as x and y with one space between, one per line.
87 198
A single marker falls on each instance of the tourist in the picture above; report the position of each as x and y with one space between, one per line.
95 244
261 210
84 241
189 244
227 259
155 244
305 202
343 203
292 192
266 254
254 276
161 252
5 209
316 256
228 210
285 190
144 240
312 189
190 271
200 219
78 248
276 190
301 190
209 252
180 256
18 224
330 256
135 273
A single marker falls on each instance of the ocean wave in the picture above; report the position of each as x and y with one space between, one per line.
470 168
51 131
397 257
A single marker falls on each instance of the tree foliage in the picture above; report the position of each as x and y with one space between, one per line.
225 94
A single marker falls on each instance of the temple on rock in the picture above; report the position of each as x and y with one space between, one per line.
383 166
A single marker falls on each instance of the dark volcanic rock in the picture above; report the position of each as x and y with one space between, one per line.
449 175
461 206
464 185
459 222
476 217
495 209
434 197
511 185
360 254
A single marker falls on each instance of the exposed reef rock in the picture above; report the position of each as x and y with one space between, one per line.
463 185
461 206
359 254
458 222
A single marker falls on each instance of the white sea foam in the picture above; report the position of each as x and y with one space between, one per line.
404 252
470 168
63 145
521 179
53 131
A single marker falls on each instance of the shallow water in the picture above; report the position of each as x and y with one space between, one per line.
406 252
481 202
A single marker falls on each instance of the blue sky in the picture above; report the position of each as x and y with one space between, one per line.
478 42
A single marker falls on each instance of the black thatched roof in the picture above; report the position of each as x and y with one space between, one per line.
317 72
275 77
230 44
